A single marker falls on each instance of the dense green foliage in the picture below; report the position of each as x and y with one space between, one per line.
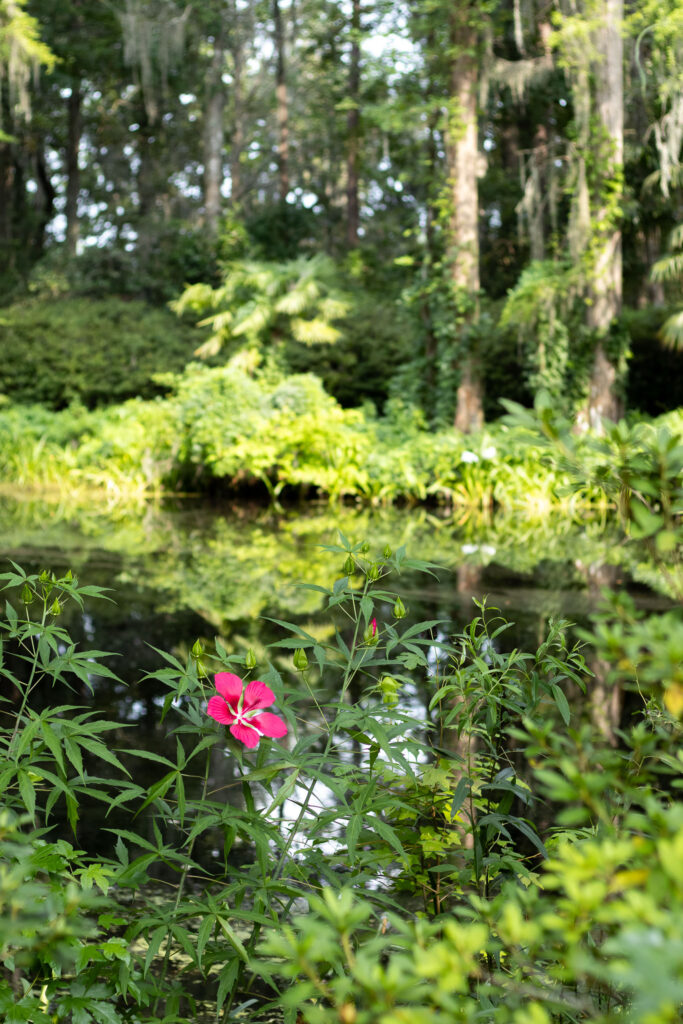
93 351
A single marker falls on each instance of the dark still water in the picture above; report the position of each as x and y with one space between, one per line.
184 572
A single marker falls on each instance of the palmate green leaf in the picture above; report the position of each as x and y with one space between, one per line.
27 791
155 940
227 979
292 627
206 930
52 743
386 832
11 617
158 791
100 750
149 755
353 829
27 735
73 752
232 937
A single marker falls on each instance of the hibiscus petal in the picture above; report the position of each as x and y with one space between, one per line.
245 735
229 686
270 725
257 695
218 709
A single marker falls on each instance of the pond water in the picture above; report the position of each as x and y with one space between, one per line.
183 571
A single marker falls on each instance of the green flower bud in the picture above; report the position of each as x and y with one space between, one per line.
55 608
349 566
389 688
27 594
365 547
387 551
197 649
373 572
250 659
300 660
399 609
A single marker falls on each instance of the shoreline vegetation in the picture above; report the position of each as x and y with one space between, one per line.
219 431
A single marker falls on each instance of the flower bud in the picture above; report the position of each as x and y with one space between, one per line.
389 688
349 566
399 609
365 547
300 660
197 649
26 594
250 659
373 572
370 635
387 551
55 608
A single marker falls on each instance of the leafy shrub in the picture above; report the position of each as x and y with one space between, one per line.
96 351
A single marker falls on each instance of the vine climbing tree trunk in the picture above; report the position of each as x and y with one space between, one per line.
462 160
604 294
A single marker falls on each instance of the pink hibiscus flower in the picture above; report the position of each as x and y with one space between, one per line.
239 706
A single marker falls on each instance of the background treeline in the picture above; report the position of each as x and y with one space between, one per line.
437 202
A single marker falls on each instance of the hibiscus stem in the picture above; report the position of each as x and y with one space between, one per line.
181 887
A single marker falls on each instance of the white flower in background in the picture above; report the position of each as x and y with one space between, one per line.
489 453
469 549
468 456
488 550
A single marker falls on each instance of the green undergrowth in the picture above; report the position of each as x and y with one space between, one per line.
449 831
223 430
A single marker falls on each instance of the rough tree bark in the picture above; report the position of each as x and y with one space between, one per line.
462 160
352 126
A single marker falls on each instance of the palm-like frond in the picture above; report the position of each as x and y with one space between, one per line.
314 332
672 331
668 268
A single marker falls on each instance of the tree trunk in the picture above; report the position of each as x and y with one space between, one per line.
237 143
352 124
45 203
462 157
213 140
605 291
73 171
282 103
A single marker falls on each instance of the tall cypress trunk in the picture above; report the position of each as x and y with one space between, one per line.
214 139
237 142
282 101
462 158
352 126
73 171
605 290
